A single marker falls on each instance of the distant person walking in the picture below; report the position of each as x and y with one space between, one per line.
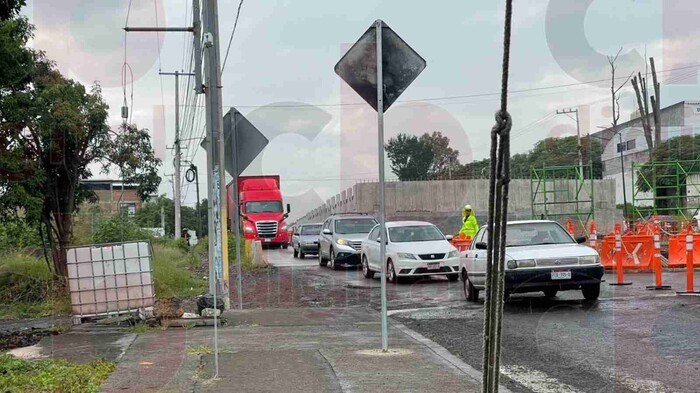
469 224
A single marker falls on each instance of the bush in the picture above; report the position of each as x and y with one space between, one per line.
18 236
27 288
50 375
173 273
119 229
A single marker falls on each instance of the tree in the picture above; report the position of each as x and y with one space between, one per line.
614 92
445 158
51 130
149 215
411 157
10 8
641 91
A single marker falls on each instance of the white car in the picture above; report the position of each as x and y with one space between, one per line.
540 256
413 249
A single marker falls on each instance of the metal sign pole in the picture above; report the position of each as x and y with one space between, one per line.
382 218
235 212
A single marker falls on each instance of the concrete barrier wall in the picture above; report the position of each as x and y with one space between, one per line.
441 201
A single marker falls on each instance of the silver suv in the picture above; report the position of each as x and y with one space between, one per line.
341 239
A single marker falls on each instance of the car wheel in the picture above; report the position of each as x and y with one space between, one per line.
550 292
334 264
471 294
591 292
365 268
284 246
321 261
453 277
295 254
391 272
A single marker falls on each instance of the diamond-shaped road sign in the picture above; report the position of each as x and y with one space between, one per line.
401 65
249 141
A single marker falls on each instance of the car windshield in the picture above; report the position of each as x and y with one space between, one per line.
354 225
533 234
263 207
311 230
416 233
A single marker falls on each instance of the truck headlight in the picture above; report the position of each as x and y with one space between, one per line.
284 228
342 242
588 260
453 254
512 264
405 255
527 263
248 229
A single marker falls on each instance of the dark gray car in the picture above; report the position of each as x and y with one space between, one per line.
305 239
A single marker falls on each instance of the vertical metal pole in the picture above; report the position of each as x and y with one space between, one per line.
235 213
624 187
162 219
199 207
178 223
197 26
580 148
382 218
212 74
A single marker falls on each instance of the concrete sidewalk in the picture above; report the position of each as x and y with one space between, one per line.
292 350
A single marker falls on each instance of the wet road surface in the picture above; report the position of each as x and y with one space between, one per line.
631 340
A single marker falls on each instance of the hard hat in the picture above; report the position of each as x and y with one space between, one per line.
468 207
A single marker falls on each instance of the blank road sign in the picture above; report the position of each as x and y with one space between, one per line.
249 141
400 63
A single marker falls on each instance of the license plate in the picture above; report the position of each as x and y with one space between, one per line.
266 240
433 266
561 275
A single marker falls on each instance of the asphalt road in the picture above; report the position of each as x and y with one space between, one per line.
631 340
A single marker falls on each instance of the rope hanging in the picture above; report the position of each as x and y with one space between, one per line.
498 215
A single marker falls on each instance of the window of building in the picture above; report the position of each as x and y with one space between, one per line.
127 209
621 147
631 145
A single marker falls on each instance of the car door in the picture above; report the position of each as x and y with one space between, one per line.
323 240
295 237
373 249
478 269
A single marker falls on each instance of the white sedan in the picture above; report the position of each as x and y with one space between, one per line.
540 256
413 249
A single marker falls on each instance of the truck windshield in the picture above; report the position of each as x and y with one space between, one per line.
263 207
354 225
311 230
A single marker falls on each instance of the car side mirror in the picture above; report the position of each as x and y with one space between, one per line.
289 208
482 246
581 239
449 238
327 232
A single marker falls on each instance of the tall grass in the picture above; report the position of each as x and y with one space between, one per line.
174 272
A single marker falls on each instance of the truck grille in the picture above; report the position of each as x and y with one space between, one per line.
266 229
430 257
356 245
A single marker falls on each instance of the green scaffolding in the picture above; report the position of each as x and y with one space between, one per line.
670 184
554 197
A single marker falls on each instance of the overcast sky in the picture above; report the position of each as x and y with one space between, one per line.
284 52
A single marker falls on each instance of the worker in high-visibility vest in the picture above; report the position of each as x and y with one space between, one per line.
469 224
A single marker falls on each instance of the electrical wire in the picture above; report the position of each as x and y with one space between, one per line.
235 23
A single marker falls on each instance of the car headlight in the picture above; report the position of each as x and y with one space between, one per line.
526 263
342 242
453 254
588 260
405 255
512 264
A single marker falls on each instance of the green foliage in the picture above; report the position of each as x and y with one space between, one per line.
173 273
411 157
148 216
10 8
27 288
119 229
685 149
52 375
547 152
444 156
17 235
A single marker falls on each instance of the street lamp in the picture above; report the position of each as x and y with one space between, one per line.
622 167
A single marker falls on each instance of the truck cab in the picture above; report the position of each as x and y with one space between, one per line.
261 210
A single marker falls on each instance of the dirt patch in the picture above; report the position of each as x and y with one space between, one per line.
23 338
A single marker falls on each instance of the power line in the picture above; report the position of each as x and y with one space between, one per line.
235 23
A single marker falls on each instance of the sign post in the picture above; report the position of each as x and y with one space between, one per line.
379 81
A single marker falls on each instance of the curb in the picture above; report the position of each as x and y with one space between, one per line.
440 351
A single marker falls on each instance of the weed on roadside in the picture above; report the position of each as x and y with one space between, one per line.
51 375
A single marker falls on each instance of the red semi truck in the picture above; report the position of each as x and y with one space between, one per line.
261 209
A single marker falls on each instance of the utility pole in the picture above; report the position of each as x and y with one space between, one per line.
162 218
578 138
178 152
192 175
622 148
